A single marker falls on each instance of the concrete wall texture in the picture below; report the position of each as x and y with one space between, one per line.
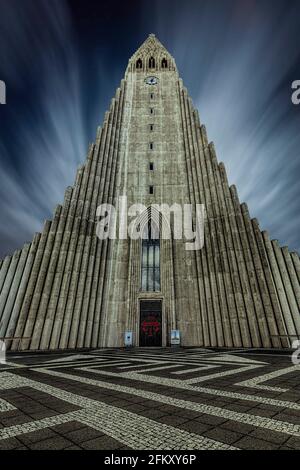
69 289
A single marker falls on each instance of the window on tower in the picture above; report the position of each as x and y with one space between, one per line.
139 64
151 145
151 111
151 166
164 64
151 63
151 258
151 190
151 127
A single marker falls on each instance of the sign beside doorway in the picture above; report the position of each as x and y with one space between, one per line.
128 339
175 337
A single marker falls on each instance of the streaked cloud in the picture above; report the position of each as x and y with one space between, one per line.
238 59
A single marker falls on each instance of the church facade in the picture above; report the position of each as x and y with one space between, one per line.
69 288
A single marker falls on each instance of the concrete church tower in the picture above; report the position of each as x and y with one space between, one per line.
70 289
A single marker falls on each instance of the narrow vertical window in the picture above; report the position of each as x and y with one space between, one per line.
151 190
151 127
151 145
139 64
151 166
151 63
164 64
151 111
150 279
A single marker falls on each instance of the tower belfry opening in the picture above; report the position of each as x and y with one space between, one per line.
151 63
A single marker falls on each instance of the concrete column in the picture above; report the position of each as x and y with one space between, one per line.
296 262
104 274
35 319
280 291
229 314
73 259
287 285
84 287
58 295
259 287
270 302
236 306
292 274
24 318
191 305
9 291
23 286
6 328
94 293
246 273
200 200
4 269
53 280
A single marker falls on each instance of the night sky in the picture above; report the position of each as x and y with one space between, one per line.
63 60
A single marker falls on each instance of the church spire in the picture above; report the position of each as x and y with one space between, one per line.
151 56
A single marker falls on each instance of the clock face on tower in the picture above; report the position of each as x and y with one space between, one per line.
151 80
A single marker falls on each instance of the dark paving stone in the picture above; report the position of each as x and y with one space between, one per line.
250 443
212 420
153 414
73 448
84 434
235 426
223 435
135 408
195 427
259 411
135 399
36 436
9 444
167 408
189 414
289 418
14 420
239 407
44 414
293 442
270 436
55 443
102 443
172 420
68 427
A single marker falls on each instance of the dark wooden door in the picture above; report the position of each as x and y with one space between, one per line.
150 323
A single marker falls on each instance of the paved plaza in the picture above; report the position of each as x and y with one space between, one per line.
157 399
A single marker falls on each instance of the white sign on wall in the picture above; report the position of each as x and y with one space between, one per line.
128 338
175 337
